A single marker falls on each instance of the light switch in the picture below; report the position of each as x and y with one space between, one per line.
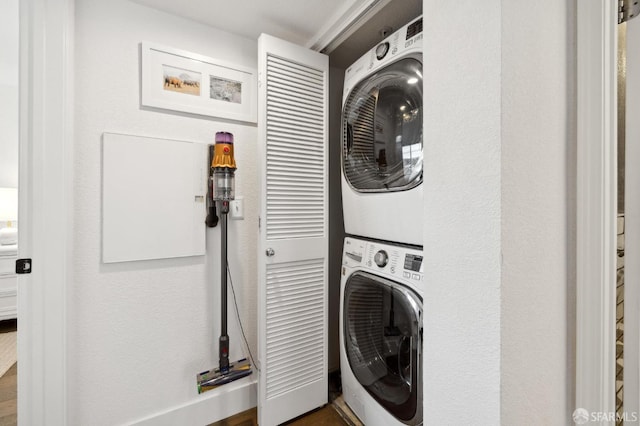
236 208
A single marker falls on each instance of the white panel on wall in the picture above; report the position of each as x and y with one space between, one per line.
153 198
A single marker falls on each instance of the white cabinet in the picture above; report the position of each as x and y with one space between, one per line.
8 282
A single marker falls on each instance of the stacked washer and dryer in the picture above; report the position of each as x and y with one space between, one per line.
382 270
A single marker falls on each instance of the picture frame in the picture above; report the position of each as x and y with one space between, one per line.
178 80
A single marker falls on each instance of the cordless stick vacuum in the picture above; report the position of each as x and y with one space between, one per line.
221 190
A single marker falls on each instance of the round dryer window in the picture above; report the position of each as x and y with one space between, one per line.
382 129
382 323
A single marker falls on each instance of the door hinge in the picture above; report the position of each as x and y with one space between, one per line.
23 266
627 9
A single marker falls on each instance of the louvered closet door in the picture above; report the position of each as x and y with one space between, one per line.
293 246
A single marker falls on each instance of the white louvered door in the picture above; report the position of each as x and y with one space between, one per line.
292 256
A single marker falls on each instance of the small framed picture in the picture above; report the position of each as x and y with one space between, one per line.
182 81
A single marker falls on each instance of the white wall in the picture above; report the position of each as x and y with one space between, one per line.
462 192
9 94
499 212
139 332
538 212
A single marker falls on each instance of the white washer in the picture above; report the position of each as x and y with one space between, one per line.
381 332
382 140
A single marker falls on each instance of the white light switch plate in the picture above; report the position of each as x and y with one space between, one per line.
236 208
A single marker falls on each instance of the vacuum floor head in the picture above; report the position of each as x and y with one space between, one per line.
211 379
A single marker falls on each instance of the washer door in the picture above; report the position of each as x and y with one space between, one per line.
383 340
382 129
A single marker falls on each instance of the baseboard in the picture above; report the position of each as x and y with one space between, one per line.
9 312
210 407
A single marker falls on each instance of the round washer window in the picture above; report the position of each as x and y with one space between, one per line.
382 333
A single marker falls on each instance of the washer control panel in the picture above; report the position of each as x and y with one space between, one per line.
384 259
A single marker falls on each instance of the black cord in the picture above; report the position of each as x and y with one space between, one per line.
235 302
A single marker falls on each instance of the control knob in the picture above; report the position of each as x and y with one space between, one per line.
381 50
381 258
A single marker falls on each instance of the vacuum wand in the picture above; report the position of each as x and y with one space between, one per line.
224 337
222 188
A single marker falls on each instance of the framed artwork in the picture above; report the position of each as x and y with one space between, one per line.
182 81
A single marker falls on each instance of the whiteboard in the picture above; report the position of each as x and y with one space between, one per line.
153 198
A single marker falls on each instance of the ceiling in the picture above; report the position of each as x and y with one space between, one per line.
304 22
298 21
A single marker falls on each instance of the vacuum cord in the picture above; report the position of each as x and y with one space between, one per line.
235 302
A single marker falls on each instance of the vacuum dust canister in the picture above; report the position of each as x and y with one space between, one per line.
224 167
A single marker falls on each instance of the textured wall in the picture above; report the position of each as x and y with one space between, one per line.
462 212
499 212
538 212
140 331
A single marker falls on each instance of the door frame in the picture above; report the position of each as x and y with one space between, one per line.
45 206
596 205
631 374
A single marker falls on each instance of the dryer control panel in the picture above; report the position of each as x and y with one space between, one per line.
399 262
406 40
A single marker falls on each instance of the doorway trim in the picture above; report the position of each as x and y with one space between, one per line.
596 205
45 207
346 21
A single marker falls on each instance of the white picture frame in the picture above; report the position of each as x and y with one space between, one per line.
183 81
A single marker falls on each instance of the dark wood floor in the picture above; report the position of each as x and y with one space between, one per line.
325 416
336 413
9 386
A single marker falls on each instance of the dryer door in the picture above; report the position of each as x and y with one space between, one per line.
382 129
383 341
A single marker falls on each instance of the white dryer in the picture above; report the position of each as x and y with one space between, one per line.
382 140
381 332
